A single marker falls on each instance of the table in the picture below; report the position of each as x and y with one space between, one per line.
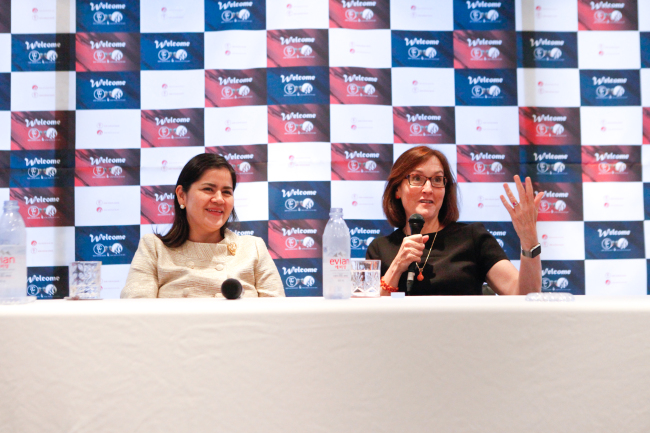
461 364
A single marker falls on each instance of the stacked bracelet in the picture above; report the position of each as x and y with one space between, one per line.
387 287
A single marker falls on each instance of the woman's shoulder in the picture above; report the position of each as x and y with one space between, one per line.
152 240
244 239
394 238
469 228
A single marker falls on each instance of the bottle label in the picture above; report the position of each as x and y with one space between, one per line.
339 264
10 262
8 255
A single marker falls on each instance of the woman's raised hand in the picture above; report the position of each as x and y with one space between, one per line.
410 251
523 212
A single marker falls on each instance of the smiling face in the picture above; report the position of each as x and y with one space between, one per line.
424 200
208 204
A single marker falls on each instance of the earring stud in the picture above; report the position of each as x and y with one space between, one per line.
182 206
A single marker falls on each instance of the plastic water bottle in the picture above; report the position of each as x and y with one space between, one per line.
337 283
13 266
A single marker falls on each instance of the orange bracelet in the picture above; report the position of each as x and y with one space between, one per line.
387 287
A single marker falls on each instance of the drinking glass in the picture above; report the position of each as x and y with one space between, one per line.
85 280
365 278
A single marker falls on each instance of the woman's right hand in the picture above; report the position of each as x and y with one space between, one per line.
410 251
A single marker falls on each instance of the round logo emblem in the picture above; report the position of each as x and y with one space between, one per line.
99 249
290 89
99 17
164 55
99 94
34 134
33 211
227 92
290 204
416 129
289 51
164 132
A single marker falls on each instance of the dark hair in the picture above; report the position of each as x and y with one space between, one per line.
192 172
407 162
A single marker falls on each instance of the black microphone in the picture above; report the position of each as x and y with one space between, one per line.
416 222
231 289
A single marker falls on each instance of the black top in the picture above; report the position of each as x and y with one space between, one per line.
461 257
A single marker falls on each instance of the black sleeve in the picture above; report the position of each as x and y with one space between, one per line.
488 250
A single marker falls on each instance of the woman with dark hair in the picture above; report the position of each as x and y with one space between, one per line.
199 252
459 257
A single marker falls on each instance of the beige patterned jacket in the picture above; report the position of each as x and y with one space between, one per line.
196 270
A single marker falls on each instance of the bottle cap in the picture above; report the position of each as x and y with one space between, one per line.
336 210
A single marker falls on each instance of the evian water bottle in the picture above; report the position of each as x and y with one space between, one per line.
13 267
337 283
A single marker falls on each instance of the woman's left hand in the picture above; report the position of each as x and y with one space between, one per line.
523 211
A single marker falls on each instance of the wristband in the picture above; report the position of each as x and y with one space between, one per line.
387 287
534 252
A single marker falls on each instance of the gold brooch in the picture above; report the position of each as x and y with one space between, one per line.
232 248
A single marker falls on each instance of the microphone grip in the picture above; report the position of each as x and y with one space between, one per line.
410 277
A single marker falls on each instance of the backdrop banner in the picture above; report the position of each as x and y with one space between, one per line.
102 103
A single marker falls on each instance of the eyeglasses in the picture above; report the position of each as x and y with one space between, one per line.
416 179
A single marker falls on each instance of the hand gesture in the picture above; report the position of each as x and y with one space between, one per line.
410 251
523 212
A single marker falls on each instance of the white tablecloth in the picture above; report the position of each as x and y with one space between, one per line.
461 364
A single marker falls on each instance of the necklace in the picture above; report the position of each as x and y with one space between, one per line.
420 277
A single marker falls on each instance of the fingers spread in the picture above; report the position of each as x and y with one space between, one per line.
509 193
507 205
529 189
520 188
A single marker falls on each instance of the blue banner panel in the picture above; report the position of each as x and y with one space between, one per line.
485 87
646 200
551 163
43 52
484 15
301 277
5 91
108 90
563 276
614 240
299 85
422 49
610 88
548 49
171 51
108 16
42 168
4 168
299 200
235 15
645 49
47 282
111 245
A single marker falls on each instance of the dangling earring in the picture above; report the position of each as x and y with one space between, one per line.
182 206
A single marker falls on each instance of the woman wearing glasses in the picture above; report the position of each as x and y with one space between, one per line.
452 258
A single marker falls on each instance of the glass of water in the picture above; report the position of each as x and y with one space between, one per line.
365 278
85 280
